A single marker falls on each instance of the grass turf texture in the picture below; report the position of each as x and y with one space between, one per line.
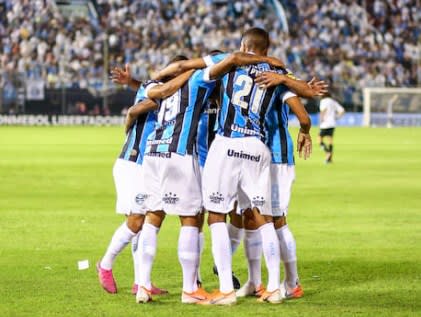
357 224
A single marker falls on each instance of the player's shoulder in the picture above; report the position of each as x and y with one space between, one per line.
150 82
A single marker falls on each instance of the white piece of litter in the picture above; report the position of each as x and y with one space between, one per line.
83 265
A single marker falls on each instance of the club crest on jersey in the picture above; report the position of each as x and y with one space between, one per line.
170 198
242 155
216 198
258 201
140 198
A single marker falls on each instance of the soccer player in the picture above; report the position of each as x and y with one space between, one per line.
282 177
169 162
330 111
127 177
238 164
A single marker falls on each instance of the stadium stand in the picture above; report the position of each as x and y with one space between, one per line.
351 44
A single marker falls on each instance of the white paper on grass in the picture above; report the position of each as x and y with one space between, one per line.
83 265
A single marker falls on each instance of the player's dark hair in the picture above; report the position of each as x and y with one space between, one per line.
216 52
256 39
178 58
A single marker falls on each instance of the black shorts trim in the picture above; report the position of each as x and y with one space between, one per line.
326 132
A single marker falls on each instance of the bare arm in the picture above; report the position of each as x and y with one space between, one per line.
175 69
122 76
304 143
307 90
240 59
169 88
134 111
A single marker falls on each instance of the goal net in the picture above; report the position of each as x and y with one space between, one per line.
388 107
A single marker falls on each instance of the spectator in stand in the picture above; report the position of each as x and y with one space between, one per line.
355 44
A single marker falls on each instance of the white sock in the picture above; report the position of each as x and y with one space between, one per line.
146 253
135 241
201 246
253 251
221 250
288 255
188 255
121 237
270 245
236 235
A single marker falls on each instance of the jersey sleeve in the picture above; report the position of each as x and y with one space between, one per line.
214 59
140 95
338 107
205 76
286 95
323 105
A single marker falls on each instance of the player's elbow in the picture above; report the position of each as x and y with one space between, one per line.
131 112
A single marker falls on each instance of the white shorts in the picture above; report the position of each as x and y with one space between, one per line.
128 185
283 176
173 184
237 167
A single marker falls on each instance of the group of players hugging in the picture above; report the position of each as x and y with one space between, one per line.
210 136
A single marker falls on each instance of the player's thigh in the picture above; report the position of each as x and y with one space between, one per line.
282 178
255 177
123 180
180 185
221 175
150 193
138 192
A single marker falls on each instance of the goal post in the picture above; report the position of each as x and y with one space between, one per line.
388 107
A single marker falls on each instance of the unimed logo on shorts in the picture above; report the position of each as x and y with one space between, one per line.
242 155
258 201
216 198
170 198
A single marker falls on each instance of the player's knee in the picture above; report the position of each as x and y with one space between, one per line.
279 221
214 217
135 222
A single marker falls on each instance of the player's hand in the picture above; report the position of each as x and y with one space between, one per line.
121 76
319 87
275 62
304 144
269 79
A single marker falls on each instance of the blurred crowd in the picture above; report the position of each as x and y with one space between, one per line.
352 44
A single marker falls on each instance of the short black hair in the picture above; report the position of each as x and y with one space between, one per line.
256 38
177 58
216 52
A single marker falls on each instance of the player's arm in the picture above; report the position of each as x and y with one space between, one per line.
162 91
134 111
240 59
304 143
122 77
176 68
307 90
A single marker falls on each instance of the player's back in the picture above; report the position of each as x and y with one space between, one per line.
245 104
178 116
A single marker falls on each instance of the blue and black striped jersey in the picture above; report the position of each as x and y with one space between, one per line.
278 138
206 130
135 144
178 116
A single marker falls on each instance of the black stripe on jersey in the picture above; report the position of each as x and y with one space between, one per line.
263 109
139 131
282 138
178 125
158 136
229 119
197 110
211 121
126 145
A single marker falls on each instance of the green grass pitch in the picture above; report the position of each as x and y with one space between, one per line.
357 224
